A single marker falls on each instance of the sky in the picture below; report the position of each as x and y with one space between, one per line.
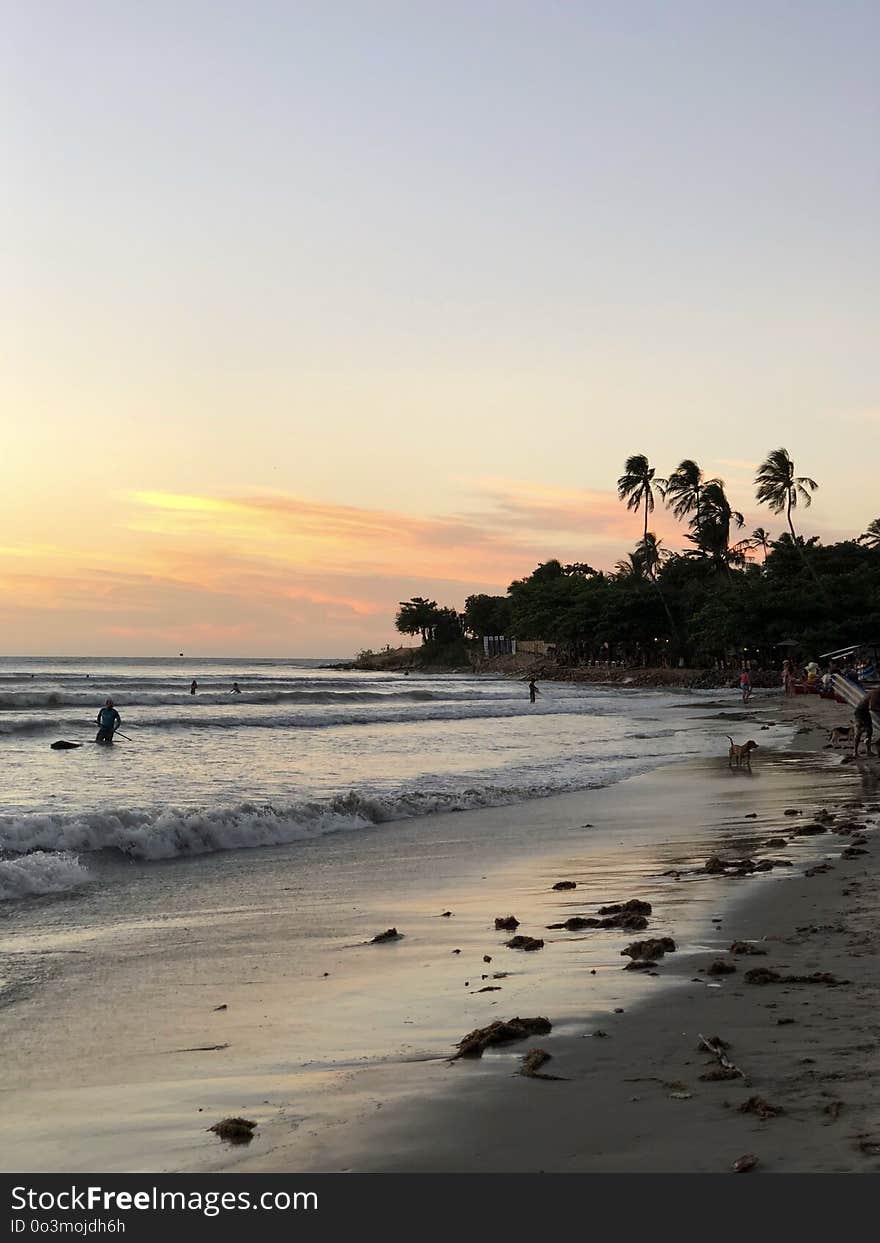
311 307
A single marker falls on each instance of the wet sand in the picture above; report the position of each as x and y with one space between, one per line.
118 1058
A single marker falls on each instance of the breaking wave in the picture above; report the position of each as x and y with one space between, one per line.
172 832
39 873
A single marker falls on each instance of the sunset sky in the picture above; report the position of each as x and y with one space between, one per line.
309 307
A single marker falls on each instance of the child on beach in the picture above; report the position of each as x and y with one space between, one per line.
745 683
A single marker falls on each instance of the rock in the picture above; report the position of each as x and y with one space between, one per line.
654 947
487 958
792 811
781 863
225 1007
446 914
61 745
506 923
752 815
819 869
565 884
524 943
721 967
234 1130
745 947
502 1031
764 1110
785 1022
810 830
640 964
765 865
490 988
852 852
391 934
634 907
600 1035
743 1164
456 951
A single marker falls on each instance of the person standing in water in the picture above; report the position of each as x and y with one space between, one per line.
533 691
236 689
108 721
193 686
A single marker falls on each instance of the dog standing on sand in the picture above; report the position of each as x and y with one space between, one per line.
740 752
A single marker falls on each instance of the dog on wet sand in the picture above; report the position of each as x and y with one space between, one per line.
840 735
740 753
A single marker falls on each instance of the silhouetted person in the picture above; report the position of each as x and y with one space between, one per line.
109 721
862 718
533 691
236 689
193 687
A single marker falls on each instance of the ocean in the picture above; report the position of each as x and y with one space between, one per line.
303 751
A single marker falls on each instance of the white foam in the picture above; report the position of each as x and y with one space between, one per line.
40 873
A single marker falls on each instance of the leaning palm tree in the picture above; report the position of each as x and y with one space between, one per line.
871 537
684 490
636 486
779 488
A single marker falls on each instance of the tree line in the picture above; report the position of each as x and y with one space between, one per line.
727 593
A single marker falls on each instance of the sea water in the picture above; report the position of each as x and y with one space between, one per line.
301 752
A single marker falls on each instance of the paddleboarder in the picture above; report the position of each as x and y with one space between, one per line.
109 721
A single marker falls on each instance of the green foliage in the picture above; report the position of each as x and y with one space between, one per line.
709 602
487 615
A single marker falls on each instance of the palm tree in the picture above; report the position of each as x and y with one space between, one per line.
651 554
780 488
684 490
631 566
871 537
636 486
759 538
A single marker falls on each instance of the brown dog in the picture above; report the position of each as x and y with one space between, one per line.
840 735
741 752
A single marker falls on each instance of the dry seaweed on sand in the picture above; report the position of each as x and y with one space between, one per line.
653 947
502 1031
390 934
234 1130
757 1105
565 884
725 1068
721 967
746 947
524 943
506 923
634 906
764 975
533 1061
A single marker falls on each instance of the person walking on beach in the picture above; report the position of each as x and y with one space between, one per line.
862 718
745 682
787 678
108 721
193 686
533 691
